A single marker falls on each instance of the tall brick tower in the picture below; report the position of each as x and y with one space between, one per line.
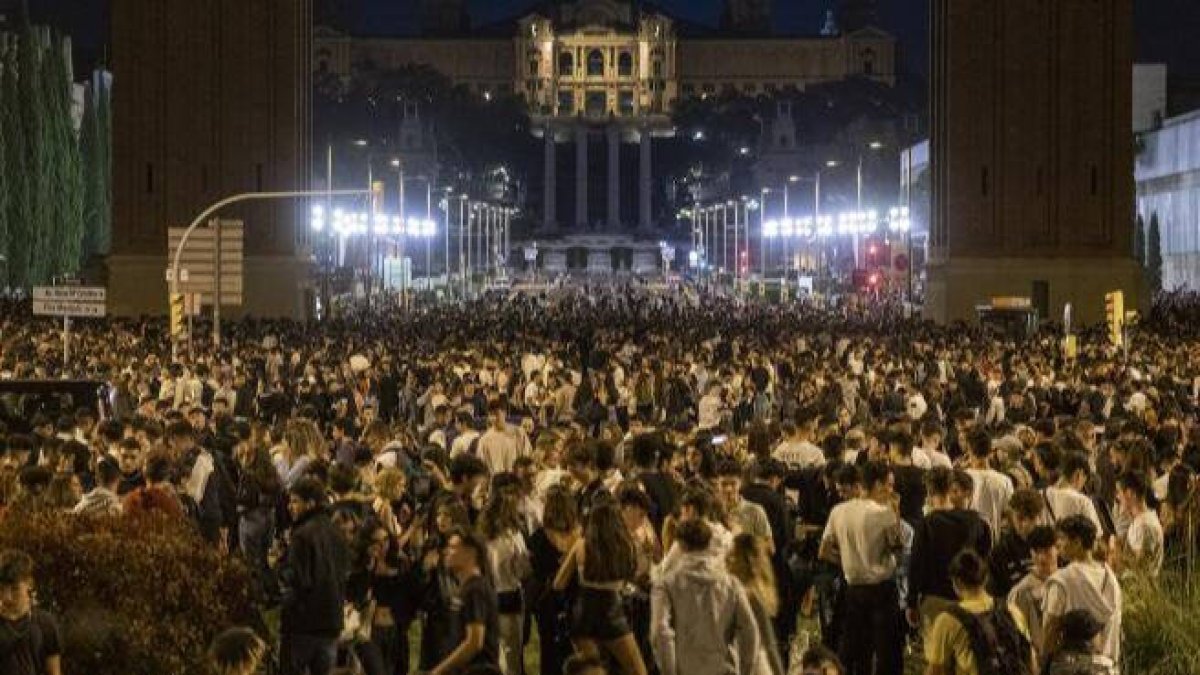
1032 155
210 98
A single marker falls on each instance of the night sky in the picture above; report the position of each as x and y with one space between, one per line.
1166 29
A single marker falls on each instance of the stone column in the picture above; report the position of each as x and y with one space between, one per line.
614 177
550 184
644 182
581 175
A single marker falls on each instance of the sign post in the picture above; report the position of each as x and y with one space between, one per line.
69 301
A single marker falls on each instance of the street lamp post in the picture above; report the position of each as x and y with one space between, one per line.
763 242
243 197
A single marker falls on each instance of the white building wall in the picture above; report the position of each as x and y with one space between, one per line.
1167 169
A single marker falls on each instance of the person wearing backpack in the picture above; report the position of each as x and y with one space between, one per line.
1086 583
978 635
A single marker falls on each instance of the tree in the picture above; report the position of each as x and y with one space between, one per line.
1139 242
1154 261
37 164
5 102
65 171
21 238
104 161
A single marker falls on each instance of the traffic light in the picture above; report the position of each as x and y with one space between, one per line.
177 315
878 254
1114 312
377 197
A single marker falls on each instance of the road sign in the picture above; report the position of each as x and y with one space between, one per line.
85 301
210 252
85 294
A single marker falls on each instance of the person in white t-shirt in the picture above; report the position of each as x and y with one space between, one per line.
1066 498
864 535
798 451
992 488
1086 584
710 408
1142 543
928 454
466 433
497 446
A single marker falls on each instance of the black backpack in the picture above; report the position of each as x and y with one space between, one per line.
998 645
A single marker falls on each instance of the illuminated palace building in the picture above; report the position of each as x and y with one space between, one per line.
601 79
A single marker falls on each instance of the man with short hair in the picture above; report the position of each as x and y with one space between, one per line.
701 621
477 620
465 435
1027 596
928 454
748 516
103 499
798 451
948 528
313 574
497 446
30 642
864 535
1011 558
1086 583
1066 498
992 488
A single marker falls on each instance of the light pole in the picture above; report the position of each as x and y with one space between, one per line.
763 242
463 215
531 255
737 260
725 236
243 197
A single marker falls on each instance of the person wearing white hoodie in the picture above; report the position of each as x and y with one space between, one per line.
1086 584
701 622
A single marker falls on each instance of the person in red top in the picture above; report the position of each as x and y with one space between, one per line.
157 495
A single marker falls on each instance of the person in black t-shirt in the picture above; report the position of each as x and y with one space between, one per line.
30 643
478 624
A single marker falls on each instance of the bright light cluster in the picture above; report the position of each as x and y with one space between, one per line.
348 223
842 224
898 219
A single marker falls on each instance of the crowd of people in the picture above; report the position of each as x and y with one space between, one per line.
648 482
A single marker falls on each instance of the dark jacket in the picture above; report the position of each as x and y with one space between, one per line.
937 538
314 575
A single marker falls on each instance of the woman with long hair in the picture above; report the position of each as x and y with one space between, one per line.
603 562
750 564
547 547
258 496
508 560
436 587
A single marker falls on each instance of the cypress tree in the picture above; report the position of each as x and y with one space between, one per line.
1154 259
65 169
4 167
104 156
19 207
89 141
34 116
1139 242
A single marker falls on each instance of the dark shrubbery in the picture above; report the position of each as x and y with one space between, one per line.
137 596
